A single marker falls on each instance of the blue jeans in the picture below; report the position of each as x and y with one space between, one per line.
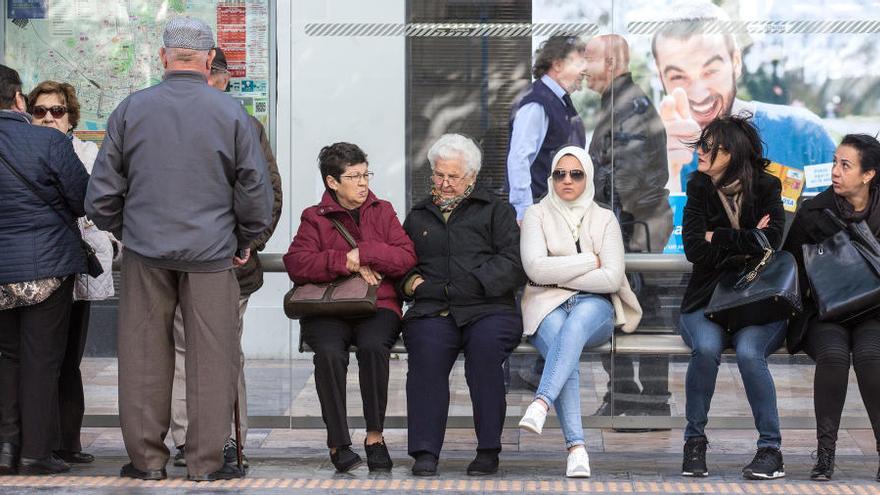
583 321
752 344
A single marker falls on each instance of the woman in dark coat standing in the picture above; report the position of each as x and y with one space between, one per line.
853 196
728 198
467 242
320 254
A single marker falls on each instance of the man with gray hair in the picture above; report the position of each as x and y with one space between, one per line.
182 178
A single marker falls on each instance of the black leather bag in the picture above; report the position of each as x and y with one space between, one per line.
765 291
844 272
349 296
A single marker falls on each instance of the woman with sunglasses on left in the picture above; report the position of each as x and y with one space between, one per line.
54 104
572 252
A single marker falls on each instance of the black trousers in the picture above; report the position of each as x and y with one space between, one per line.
433 344
32 344
70 386
831 345
330 339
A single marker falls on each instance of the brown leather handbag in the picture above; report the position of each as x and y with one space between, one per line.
349 296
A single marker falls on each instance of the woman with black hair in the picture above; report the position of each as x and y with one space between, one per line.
854 196
728 197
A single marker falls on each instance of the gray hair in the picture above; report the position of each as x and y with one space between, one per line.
186 55
457 147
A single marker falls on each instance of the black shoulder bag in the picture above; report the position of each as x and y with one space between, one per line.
94 265
762 293
844 272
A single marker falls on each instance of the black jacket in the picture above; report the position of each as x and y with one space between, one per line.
705 213
36 243
636 144
812 226
470 263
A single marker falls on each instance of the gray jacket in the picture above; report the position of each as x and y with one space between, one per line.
181 176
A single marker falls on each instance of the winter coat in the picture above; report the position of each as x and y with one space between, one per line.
318 251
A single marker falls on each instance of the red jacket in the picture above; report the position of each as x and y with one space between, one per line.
318 251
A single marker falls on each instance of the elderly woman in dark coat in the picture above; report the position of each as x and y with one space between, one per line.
462 292
853 196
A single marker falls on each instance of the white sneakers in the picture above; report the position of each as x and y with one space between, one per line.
578 465
533 419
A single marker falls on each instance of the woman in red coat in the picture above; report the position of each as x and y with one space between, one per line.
383 254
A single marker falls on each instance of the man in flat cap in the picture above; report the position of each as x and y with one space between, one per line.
250 279
181 177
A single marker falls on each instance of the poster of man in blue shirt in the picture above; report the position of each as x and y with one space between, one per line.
699 62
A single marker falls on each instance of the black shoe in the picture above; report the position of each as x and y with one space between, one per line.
767 465
694 462
425 465
50 464
486 462
72 457
378 458
8 458
230 454
180 456
824 467
226 472
129 471
345 459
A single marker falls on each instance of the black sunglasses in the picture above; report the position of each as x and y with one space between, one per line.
576 175
57 111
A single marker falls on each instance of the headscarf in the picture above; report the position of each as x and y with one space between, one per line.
573 212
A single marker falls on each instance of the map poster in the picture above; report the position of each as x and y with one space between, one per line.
108 49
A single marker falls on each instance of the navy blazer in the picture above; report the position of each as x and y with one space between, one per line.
36 243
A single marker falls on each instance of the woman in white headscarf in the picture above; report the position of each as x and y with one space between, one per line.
572 252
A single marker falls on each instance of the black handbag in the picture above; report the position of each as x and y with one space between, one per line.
93 264
844 272
349 296
764 292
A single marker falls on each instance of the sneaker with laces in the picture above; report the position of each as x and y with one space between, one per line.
533 419
578 464
230 454
694 462
767 465
824 468
180 456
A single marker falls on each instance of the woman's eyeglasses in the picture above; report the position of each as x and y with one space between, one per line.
452 180
576 175
357 177
57 111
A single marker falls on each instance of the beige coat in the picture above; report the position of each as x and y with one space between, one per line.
550 257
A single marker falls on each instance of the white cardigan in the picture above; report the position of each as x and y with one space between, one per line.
550 257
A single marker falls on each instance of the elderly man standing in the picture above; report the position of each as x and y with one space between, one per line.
188 191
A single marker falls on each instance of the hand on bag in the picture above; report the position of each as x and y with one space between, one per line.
353 260
417 282
372 277
242 256
709 236
681 129
764 222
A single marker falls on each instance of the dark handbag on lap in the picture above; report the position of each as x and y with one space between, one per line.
343 297
844 272
762 293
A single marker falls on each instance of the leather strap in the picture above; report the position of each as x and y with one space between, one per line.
345 234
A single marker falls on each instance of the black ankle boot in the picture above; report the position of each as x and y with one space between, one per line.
378 458
485 463
824 468
345 459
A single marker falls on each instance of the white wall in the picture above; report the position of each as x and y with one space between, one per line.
328 89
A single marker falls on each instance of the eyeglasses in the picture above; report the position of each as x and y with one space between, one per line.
705 146
576 175
357 177
452 180
57 111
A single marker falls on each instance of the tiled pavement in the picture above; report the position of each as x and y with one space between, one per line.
295 461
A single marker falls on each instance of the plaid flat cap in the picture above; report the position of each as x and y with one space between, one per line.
188 32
